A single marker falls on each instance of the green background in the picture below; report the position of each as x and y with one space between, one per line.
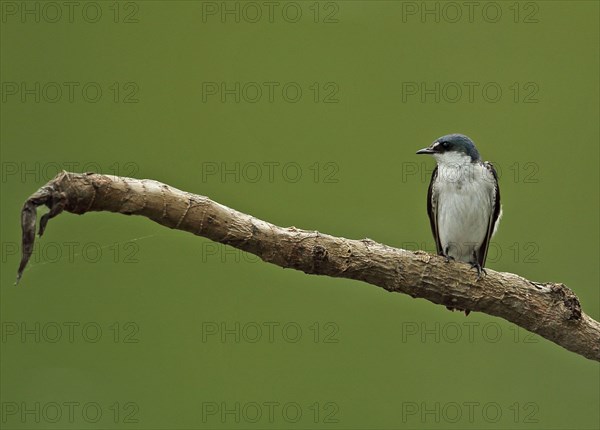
379 361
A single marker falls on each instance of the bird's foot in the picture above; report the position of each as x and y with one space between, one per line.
480 269
446 254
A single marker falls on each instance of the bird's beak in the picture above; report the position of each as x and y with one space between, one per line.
428 150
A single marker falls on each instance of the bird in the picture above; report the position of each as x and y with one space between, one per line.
463 201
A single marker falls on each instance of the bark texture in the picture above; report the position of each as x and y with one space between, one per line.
550 310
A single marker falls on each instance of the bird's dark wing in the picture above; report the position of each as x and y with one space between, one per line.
432 212
495 214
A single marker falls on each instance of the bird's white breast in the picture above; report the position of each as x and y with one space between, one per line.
464 199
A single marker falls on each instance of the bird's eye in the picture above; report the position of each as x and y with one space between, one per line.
445 144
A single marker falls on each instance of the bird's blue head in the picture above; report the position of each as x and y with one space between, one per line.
452 143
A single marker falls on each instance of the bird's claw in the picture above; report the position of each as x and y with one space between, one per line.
449 258
480 270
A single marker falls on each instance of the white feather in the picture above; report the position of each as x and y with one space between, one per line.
464 196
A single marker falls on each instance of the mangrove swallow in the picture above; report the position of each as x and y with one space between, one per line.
463 201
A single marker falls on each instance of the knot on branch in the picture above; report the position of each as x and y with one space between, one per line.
319 256
568 299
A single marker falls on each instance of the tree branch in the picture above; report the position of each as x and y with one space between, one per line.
549 309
